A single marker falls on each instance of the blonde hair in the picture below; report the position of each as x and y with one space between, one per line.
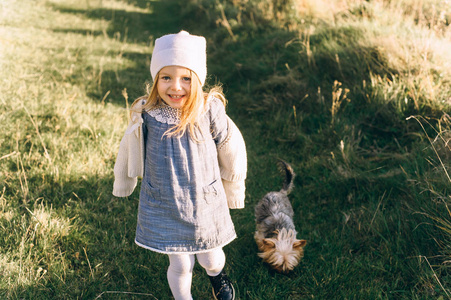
192 109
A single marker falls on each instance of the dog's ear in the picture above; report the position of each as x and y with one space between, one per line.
299 244
268 243
260 245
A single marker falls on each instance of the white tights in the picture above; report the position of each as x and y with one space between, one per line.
180 271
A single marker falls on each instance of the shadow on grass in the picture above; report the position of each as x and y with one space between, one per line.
138 27
128 27
97 253
133 80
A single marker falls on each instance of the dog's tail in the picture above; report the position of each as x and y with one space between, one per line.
289 176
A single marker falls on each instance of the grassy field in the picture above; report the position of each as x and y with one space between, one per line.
354 94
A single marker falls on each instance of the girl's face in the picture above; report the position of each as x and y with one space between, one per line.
174 85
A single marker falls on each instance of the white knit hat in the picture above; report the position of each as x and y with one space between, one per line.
181 49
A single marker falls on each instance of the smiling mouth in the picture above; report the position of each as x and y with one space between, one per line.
176 97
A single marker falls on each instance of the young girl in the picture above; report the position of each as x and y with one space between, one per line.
192 160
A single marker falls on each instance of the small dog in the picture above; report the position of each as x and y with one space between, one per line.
276 234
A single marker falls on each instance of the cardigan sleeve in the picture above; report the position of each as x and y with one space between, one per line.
232 160
130 158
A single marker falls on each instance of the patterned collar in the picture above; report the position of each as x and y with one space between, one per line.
166 114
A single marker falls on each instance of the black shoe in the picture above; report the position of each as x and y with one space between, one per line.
222 287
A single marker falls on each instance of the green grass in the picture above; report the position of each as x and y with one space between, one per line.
330 88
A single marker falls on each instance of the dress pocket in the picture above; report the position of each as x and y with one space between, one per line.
212 191
151 194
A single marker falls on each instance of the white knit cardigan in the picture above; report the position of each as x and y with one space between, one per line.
129 164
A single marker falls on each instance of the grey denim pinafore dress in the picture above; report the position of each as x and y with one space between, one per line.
182 205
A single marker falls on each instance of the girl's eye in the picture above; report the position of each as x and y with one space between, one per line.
187 79
165 78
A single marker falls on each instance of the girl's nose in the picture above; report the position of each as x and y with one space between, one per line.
176 85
